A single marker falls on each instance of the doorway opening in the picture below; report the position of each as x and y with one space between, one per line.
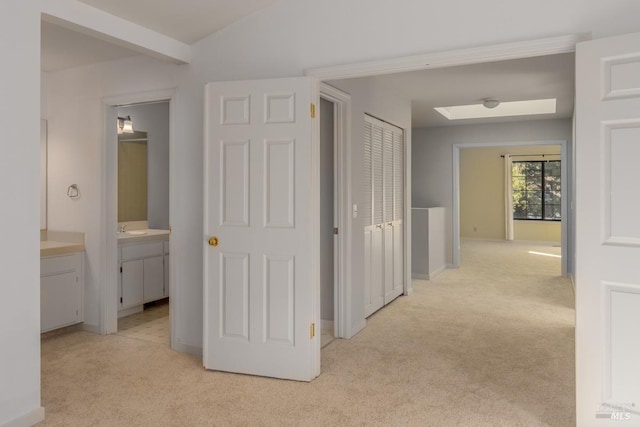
143 221
483 195
137 230
329 206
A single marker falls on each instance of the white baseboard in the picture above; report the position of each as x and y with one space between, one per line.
94 329
438 270
357 328
27 420
432 274
189 349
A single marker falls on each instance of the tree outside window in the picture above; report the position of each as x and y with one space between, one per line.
536 190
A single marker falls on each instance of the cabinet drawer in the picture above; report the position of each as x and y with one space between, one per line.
59 264
166 246
143 250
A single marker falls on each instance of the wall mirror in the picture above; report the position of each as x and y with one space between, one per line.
132 177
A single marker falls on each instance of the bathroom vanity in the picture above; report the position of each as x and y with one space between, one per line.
61 279
143 259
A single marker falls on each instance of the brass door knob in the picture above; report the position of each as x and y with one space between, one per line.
213 241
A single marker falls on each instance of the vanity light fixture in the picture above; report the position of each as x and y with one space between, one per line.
125 125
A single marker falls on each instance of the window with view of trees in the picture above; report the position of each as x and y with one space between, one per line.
536 190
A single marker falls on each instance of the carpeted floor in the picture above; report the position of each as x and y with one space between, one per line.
490 344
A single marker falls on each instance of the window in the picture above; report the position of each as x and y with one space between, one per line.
536 190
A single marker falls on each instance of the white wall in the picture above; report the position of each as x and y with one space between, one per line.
433 156
76 152
20 213
154 119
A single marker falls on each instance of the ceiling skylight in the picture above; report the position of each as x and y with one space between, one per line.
503 109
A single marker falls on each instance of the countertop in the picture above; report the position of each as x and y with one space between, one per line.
60 242
150 235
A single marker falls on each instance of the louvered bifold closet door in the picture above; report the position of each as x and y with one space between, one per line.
383 212
398 213
373 216
388 226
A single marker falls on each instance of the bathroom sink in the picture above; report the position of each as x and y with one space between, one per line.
137 232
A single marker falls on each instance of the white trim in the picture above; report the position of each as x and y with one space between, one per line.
499 52
186 348
456 191
315 227
357 328
431 275
408 283
94 22
342 290
109 288
31 418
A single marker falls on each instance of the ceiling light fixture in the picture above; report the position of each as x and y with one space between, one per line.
125 125
490 103
494 108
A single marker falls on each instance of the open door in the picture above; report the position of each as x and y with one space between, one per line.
261 224
608 231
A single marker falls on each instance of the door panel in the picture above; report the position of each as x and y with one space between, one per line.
261 285
607 231
132 280
153 283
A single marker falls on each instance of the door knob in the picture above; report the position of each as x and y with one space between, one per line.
213 241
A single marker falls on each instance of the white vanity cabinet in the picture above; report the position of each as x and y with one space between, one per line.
166 268
142 274
61 291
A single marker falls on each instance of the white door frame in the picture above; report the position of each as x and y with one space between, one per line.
109 258
564 204
477 55
342 134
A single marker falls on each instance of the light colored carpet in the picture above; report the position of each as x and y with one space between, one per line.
490 344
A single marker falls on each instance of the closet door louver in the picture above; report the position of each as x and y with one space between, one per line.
383 213
398 176
367 204
398 212
378 174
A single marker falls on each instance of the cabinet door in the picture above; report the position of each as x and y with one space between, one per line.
153 278
60 300
132 276
166 275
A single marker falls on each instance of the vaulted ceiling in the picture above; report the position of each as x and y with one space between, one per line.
190 20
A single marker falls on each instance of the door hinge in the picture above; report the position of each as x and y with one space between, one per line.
120 300
120 269
313 110
313 330
335 230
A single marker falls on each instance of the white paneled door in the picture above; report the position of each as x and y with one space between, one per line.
608 231
260 254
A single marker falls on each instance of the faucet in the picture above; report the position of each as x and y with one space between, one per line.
123 228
